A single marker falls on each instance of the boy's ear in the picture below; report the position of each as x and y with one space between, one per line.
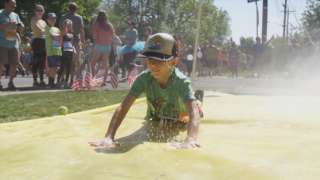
175 61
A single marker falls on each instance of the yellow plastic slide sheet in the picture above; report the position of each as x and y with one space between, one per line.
242 137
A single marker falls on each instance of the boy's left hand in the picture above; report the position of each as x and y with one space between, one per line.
186 145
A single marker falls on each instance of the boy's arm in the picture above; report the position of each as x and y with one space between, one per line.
115 122
193 126
56 36
272 38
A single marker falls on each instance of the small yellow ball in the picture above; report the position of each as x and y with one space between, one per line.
63 110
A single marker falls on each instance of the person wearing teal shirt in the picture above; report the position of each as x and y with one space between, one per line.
168 92
9 46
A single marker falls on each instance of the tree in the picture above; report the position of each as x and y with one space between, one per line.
311 18
246 43
86 8
170 16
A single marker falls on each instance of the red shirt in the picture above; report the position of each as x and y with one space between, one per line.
225 56
220 56
104 37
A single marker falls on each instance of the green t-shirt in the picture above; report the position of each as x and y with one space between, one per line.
169 102
26 48
212 53
8 37
52 45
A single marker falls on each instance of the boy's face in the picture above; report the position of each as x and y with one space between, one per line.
160 69
51 21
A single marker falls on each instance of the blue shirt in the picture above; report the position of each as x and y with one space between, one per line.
130 34
233 54
9 31
257 49
203 49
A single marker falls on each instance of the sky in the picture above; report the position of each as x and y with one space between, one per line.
243 16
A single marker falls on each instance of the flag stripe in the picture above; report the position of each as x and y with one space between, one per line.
77 84
133 75
114 81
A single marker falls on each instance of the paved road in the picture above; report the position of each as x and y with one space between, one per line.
222 84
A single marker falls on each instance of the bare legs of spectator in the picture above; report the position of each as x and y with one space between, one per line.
1 70
20 66
95 57
73 70
13 71
105 62
26 64
124 72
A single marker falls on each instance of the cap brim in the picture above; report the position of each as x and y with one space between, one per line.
156 56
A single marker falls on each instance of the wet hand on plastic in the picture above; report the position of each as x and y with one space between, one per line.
186 145
106 142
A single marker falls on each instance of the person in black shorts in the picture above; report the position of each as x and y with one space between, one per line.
203 59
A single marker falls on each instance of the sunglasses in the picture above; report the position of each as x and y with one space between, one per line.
39 10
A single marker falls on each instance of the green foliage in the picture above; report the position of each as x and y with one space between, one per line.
246 43
280 55
311 18
86 8
170 16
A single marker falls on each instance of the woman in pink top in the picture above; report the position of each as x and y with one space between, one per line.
103 34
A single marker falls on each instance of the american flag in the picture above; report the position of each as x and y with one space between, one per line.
77 84
114 80
88 76
133 75
97 80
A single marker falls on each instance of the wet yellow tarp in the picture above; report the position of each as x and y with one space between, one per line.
242 137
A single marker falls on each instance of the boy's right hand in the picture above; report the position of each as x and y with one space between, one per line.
106 142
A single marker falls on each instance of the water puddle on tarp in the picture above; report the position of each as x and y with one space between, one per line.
242 137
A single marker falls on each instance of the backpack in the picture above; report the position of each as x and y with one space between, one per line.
212 53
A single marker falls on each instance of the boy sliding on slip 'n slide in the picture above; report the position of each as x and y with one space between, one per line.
168 92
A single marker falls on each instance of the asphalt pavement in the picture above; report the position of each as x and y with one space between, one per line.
240 86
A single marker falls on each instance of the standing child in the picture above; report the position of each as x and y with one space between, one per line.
234 60
26 48
87 51
53 48
68 50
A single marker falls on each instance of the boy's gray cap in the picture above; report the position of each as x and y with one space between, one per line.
52 15
161 47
